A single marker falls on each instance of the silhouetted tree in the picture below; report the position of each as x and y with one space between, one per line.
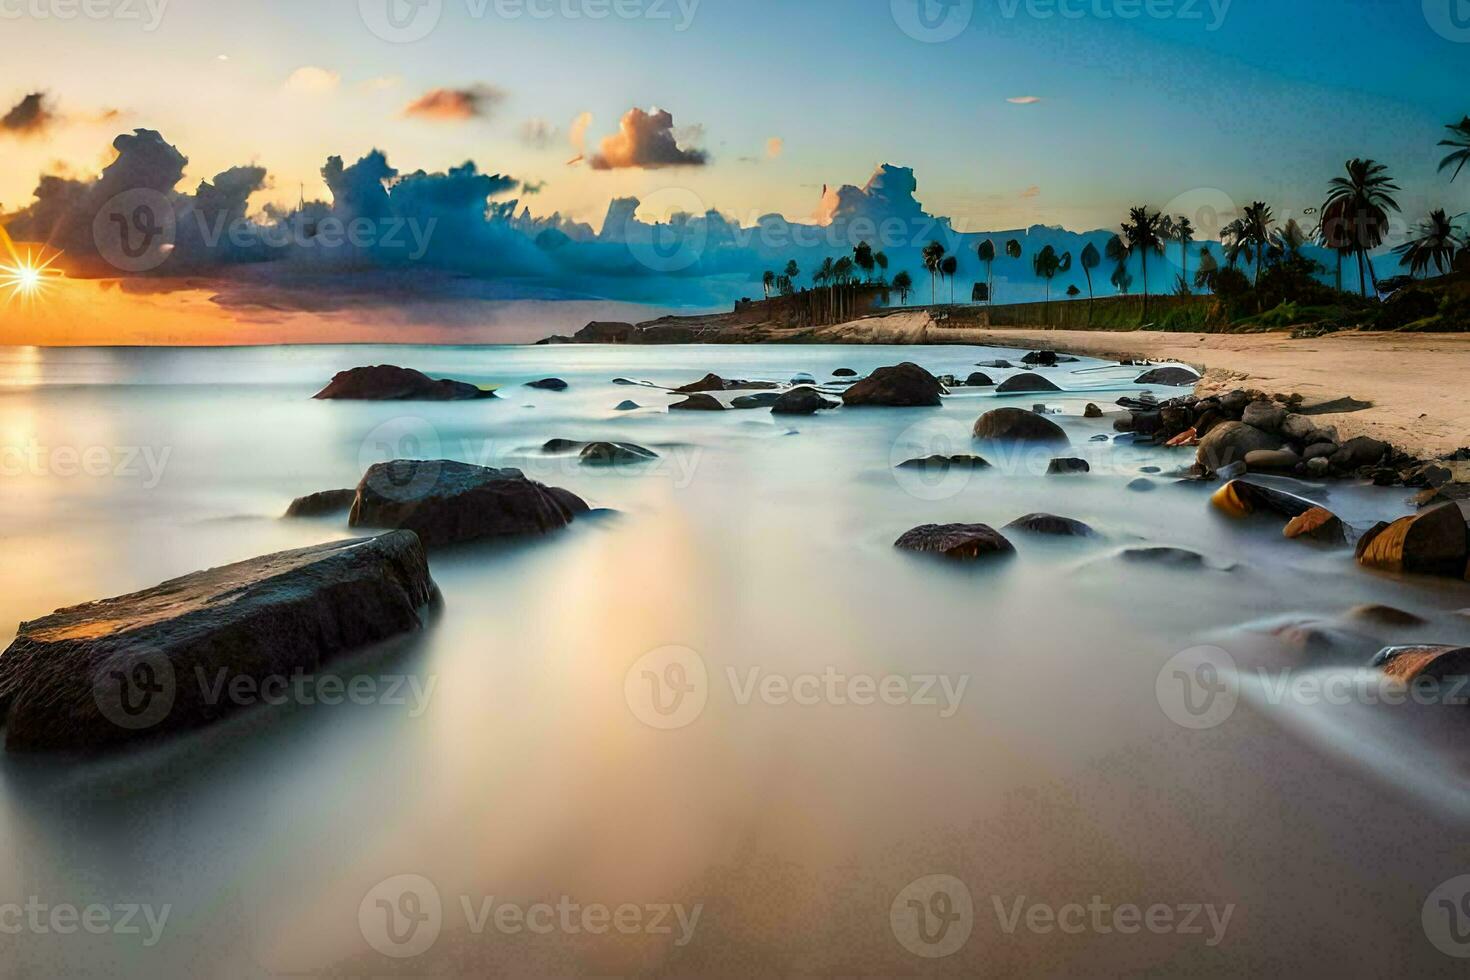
1460 140
904 283
933 258
1143 233
947 269
1437 243
1364 200
986 254
768 282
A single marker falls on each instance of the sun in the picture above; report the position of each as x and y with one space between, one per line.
27 278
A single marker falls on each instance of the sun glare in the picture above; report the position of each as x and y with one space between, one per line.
27 277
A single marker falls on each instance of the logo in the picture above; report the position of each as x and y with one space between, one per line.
1197 688
136 230
933 916
135 692
1446 917
401 916
401 21
667 688
933 21
1449 18
671 246
411 448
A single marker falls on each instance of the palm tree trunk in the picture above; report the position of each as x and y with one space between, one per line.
1339 269
1144 258
1362 278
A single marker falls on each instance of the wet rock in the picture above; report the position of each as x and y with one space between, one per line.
1177 557
1234 403
1318 524
1067 466
1432 542
998 365
388 383
1023 383
801 401
627 406
1313 637
1092 412
561 445
1358 452
979 379
446 502
1385 616
698 403
1425 663
1053 525
844 373
1143 485
1271 461
1172 377
710 382
623 381
615 454
1305 430
1232 472
1319 467
802 378
761 399
1018 425
1319 450
1043 358
940 464
97 675
1264 415
548 384
962 542
1229 442
1239 498
901 386
322 504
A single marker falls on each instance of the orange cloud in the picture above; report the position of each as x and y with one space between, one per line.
455 104
646 141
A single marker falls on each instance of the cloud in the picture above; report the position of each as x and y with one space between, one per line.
530 188
775 146
646 141
577 135
455 104
537 133
32 116
383 83
311 80
1032 191
1024 100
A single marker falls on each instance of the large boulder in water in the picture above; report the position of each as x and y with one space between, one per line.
801 401
698 403
387 383
1432 542
447 502
1230 442
1172 377
1062 527
1024 383
962 542
1239 498
322 504
1018 425
1434 663
901 386
166 659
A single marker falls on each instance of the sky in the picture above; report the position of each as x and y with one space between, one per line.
1010 112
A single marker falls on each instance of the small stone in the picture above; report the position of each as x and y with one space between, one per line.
1053 525
961 542
1068 466
1092 411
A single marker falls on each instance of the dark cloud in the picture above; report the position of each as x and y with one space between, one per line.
538 134
646 141
32 116
455 104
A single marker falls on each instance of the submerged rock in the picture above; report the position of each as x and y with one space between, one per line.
1018 425
1068 466
1181 557
698 403
943 463
1432 542
763 399
548 384
1385 615
801 401
447 502
627 406
1092 411
1053 525
1172 377
388 383
904 385
979 379
322 504
615 453
1427 662
1239 498
962 542
561 445
1022 383
163 660
844 373
1318 524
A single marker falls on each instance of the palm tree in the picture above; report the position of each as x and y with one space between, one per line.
843 274
1205 277
933 257
986 254
1121 279
1363 200
1183 230
825 275
1091 259
1460 139
904 283
1333 234
1047 265
1437 243
768 282
862 257
1290 238
1249 236
1143 233
793 271
881 259
947 269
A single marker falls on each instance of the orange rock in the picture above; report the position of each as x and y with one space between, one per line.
1434 542
1317 524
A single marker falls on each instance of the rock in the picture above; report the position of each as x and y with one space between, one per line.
1318 467
998 365
1432 542
1172 377
802 378
698 403
1425 663
1264 415
1317 524
1358 452
1143 485
322 504
939 464
962 542
561 445
623 381
1313 637
1232 472
844 373
1239 499
1092 412
163 660
1043 358
1018 425
902 386
1386 615
1319 450
1207 421
388 383
1067 466
605 332
1100 437
947 380
548 384
1053 525
979 379
1229 442
1233 403
762 399
627 406
1150 470
447 502
1271 461
1021 383
615 453
710 382
1303 429
801 401
1179 557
